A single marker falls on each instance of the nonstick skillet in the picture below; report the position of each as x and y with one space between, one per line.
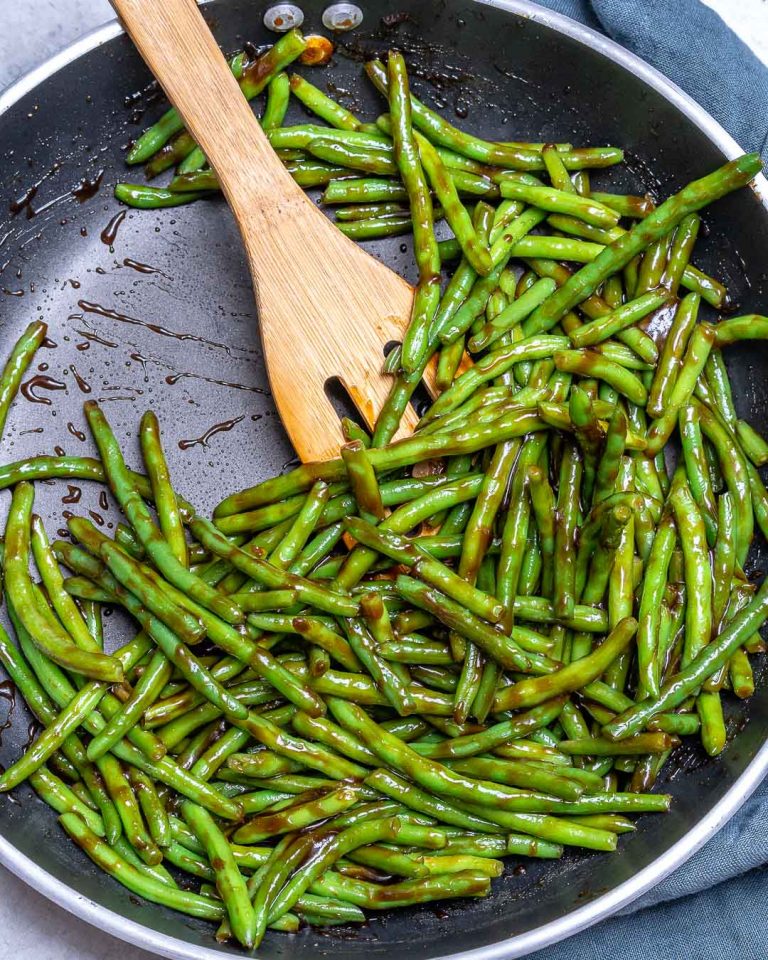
154 310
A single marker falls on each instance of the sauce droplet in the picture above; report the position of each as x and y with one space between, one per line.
73 496
85 387
139 267
109 233
75 432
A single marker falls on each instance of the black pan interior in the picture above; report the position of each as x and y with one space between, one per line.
155 310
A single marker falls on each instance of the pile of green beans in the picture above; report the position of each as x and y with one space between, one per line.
366 682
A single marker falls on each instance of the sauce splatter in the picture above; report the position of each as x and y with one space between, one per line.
95 338
173 378
40 382
75 432
223 427
87 189
102 311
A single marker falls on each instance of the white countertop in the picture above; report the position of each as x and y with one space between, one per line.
31 927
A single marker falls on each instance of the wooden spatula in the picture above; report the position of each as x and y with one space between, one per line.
326 308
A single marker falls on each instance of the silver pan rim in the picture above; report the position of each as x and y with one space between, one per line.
608 903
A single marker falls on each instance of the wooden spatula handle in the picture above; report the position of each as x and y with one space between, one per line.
181 52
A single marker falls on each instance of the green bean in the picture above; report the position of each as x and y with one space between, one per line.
45 630
167 507
19 359
252 78
588 363
513 156
170 154
330 849
352 155
152 807
298 815
516 773
564 580
657 224
749 327
680 251
362 479
559 201
710 710
638 745
129 573
365 190
65 607
742 678
537 690
425 244
268 575
229 881
140 519
431 571
145 693
144 197
121 792
516 312
697 468
144 885
624 316
735 471
321 104
752 443
427 773
279 90
310 755
652 266
502 649
374 896
317 633
387 678
654 584
63 799
474 248
699 346
558 173
707 661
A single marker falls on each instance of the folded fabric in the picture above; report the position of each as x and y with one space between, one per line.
691 45
713 906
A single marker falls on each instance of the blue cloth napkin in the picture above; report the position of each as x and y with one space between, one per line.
714 906
691 45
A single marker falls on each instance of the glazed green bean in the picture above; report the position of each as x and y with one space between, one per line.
19 359
167 507
691 198
45 631
537 690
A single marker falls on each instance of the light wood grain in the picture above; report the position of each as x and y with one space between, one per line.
326 308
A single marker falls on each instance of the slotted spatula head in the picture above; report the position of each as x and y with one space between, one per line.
326 308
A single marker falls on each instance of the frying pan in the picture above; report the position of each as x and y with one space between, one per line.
154 309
